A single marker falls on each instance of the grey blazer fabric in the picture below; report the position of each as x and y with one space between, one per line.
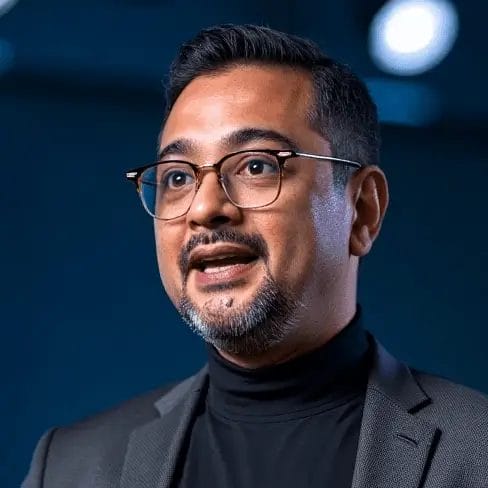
418 430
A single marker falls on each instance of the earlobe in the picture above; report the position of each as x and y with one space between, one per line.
370 202
361 242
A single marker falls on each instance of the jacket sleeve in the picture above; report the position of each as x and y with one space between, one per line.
34 478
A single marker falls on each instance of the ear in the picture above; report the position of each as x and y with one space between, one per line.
369 193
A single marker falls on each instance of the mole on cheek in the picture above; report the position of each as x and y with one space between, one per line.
228 302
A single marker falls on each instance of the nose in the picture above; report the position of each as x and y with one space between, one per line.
211 208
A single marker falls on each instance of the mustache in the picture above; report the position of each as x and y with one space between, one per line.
254 242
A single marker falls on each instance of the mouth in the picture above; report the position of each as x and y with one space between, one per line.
222 264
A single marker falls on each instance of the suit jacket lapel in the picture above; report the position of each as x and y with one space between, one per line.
394 445
153 448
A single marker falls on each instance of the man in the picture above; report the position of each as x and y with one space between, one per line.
265 196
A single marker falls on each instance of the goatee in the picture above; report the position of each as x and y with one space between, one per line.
249 329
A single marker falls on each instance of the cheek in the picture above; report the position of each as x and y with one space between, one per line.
168 254
330 220
309 240
292 244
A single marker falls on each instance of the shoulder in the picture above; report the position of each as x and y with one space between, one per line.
117 421
80 450
453 416
449 396
426 394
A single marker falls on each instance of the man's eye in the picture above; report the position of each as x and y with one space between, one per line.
256 167
177 179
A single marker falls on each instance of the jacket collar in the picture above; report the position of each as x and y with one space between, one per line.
393 450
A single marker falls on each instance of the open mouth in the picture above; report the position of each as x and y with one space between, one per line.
223 263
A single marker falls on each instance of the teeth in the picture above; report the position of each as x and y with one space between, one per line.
218 264
217 269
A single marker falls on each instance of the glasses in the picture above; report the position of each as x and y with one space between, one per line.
249 178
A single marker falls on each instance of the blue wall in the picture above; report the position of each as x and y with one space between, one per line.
85 322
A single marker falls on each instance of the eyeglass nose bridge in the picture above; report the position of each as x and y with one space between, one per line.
199 173
204 168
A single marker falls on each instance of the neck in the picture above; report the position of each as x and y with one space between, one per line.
324 376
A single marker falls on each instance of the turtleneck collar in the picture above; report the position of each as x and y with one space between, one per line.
326 376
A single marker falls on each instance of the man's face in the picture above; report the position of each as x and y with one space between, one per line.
292 255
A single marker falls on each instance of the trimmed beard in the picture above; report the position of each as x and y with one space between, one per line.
250 329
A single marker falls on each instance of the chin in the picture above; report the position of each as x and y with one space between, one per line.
247 319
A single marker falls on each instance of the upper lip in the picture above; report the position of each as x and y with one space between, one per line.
221 251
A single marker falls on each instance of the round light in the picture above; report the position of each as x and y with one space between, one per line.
6 5
408 37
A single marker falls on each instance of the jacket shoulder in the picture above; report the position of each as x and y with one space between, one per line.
130 412
114 423
448 394
90 452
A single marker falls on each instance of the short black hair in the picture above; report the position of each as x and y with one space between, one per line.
343 111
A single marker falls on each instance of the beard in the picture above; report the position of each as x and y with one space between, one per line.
250 329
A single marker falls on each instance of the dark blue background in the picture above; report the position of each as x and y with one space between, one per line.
85 321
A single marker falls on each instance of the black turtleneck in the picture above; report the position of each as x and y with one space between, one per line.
288 425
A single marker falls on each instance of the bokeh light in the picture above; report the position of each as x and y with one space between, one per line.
409 37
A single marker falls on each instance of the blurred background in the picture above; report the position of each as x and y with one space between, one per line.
85 322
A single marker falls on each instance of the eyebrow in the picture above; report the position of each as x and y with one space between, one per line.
237 138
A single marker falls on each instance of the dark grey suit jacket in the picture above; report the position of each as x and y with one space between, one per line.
418 430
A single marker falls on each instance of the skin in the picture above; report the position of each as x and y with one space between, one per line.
320 267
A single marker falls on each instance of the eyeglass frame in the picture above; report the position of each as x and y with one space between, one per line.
282 155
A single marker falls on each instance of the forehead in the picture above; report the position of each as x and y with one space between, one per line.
262 96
